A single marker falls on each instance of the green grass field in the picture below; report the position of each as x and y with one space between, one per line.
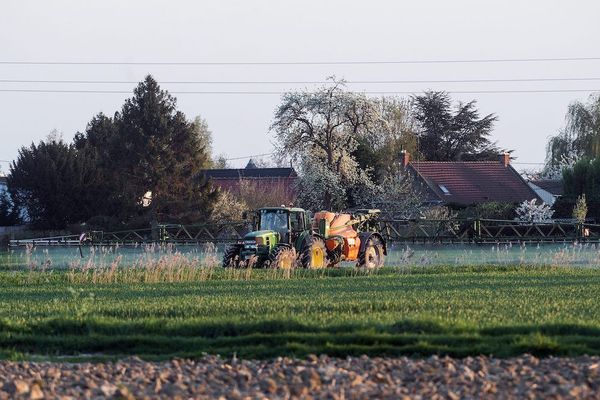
456 311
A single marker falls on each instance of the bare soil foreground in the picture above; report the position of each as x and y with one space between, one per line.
314 377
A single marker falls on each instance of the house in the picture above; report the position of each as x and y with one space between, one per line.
465 183
548 189
280 180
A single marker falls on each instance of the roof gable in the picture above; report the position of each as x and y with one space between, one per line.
471 182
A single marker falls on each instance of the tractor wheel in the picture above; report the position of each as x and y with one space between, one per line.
373 256
314 254
282 257
231 258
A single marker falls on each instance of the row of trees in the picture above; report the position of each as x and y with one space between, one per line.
348 145
144 164
146 151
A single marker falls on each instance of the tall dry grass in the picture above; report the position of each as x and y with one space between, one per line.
155 264
158 264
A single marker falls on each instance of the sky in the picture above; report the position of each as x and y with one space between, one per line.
234 32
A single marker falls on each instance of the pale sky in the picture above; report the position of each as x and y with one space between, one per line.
286 31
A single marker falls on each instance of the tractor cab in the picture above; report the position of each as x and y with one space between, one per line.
288 223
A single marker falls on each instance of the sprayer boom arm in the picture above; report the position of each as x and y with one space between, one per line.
363 216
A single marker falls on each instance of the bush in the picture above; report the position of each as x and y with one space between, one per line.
440 213
227 207
580 210
530 211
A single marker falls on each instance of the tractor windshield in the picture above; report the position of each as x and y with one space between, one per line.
274 220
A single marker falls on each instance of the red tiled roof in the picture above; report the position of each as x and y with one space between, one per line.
470 182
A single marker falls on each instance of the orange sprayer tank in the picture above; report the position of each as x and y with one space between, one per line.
335 226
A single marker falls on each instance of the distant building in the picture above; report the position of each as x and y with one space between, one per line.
548 189
264 179
466 183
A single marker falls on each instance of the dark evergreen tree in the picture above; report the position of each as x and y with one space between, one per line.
453 135
158 151
50 181
96 145
147 148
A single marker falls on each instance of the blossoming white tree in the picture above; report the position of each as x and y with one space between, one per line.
530 211
319 129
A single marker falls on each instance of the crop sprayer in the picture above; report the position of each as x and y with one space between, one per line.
286 237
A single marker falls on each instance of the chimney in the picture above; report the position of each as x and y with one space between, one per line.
404 158
505 159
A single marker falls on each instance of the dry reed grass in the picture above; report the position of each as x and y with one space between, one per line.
159 264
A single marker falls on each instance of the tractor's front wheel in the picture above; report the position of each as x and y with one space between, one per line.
314 254
373 255
232 257
282 257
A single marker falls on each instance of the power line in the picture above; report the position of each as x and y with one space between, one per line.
380 92
252 156
270 154
308 82
227 159
325 62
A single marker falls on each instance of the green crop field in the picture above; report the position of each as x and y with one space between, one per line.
457 311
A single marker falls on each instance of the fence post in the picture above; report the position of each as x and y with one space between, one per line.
477 226
163 233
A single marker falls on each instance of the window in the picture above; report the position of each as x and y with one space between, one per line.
444 189
274 220
297 221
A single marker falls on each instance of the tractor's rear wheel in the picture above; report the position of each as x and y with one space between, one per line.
282 257
372 257
231 258
314 254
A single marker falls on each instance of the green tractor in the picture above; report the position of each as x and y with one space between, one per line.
282 237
